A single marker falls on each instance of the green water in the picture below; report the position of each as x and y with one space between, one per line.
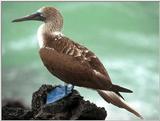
124 35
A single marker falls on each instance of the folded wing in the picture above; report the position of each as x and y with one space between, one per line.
71 70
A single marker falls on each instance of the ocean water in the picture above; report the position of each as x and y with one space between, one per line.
124 35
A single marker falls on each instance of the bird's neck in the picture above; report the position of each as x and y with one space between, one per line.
49 30
51 27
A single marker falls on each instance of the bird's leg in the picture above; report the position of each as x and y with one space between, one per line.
72 87
66 88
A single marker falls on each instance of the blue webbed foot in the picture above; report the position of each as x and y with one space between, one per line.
58 93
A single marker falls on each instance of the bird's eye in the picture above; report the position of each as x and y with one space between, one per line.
41 14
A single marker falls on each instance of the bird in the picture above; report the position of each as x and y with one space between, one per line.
72 62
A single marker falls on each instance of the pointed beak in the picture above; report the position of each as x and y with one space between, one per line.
36 16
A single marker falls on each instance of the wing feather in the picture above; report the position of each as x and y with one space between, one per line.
70 70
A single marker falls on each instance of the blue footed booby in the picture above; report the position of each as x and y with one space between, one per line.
71 62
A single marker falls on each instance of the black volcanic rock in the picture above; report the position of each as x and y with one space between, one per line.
39 98
72 107
15 110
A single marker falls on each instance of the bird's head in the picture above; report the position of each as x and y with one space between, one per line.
48 15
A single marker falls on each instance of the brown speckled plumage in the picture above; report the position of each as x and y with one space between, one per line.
66 65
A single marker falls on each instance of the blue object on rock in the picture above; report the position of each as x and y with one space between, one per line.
58 93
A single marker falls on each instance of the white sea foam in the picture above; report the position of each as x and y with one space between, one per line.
23 44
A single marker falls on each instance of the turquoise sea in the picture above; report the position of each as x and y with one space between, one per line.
124 35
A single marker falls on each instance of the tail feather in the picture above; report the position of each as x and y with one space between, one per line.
112 97
120 95
116 88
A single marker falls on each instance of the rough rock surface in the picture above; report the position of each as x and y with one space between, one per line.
15 110
72 107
